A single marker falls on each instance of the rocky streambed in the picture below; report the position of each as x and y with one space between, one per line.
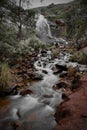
34 107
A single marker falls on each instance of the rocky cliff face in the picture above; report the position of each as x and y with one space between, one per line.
69 19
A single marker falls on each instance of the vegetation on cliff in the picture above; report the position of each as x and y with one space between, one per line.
74 14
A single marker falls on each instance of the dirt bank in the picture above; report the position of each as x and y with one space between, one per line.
72 114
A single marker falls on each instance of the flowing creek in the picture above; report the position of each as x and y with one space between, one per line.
36 111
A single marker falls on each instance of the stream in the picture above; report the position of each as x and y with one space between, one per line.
36 111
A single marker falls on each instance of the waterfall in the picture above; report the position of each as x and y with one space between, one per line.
43 29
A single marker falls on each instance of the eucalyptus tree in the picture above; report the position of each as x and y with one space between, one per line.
20 9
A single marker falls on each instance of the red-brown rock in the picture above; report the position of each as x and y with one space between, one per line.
72 114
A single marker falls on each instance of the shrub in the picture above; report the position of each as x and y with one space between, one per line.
55 52
6 49
6 77
8 34
30 45
80 57
71 71
35 43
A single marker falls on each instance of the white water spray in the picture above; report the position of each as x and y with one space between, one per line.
42 28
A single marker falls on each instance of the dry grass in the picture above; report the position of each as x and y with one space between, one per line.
55 52
71 71
6 77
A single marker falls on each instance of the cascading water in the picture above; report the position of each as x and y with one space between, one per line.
35 112
43 31
42 28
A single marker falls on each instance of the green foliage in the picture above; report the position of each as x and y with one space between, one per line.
8 34
29 46
6 49
80 57
35 43
74 14
8 40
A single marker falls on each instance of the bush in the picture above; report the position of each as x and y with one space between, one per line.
6 77
79 57
71 71
8 34
35 43
29 46
55 52
6 49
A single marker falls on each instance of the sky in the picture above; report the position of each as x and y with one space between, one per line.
37 3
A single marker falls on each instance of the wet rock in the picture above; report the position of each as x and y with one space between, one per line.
44 71
43 52
37 76
62 67
10 91
25 92
48 96
56 71
61 84
63 74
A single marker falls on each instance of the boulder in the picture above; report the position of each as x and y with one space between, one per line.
61 84
48 96
10 91
62 67
25 92
44 71
56 70
37 76
63 74
60 22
